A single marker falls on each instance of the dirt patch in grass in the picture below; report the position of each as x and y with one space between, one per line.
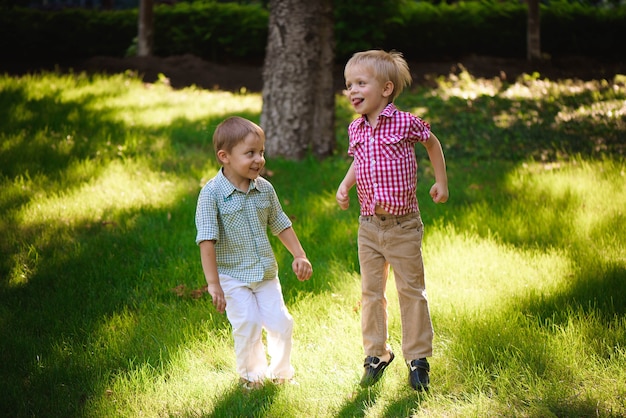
186 70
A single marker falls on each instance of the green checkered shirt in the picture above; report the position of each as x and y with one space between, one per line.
238 222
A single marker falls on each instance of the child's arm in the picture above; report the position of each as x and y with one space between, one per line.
209 266
439 191
342 197
301 265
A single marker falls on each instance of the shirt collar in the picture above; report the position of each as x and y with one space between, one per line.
226 187
388 112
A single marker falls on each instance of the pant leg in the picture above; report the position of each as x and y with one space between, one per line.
403 249
374 273
278 324
244 316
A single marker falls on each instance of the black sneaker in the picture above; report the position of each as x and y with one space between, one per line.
418 374
374 368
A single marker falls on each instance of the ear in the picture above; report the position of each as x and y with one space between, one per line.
388 89
222 156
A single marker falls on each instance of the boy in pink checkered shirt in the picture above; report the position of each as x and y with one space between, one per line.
382 143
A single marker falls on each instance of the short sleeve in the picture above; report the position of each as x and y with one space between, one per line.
206 215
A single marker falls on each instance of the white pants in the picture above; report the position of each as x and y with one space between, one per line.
250 308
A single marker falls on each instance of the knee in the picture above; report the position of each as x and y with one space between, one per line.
282 324
248 324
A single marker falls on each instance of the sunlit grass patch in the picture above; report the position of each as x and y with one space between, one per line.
584 198
486 274
87 196
125 98
611 110
157 105
465 86
103 311
522 312
557 204
190 376
51 119
203 368
121 186
530 117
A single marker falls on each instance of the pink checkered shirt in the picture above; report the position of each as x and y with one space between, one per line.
384 160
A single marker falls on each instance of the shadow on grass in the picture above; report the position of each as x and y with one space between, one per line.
83 301
523 344
81 276
408 405
96 297
238 402
362 399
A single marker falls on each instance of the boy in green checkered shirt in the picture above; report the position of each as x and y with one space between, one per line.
234 212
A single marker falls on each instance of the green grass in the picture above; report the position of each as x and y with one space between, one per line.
101 309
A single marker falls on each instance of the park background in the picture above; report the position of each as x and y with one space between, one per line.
103 311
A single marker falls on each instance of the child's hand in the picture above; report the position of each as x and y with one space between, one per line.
217 294
439 193
343 198
302 267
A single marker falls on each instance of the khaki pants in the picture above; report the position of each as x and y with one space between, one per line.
394 241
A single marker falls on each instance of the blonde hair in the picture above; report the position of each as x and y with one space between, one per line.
388 66
232 131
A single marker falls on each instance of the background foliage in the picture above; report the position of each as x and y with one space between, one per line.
225 32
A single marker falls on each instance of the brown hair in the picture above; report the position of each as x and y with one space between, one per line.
232 131
388 66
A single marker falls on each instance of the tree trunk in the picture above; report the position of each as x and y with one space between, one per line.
533 32
146 28
298 112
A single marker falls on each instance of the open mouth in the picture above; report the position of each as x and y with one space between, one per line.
356 102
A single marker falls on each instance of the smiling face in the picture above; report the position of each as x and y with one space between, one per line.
367 94
244 161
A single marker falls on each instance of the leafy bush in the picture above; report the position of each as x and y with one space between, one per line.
223 32
57 36
576 29
363 24
450 31
217 32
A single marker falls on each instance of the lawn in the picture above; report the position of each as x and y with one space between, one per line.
102 308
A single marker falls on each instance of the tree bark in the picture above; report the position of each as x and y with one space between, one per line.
533 32
146 28
298 111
